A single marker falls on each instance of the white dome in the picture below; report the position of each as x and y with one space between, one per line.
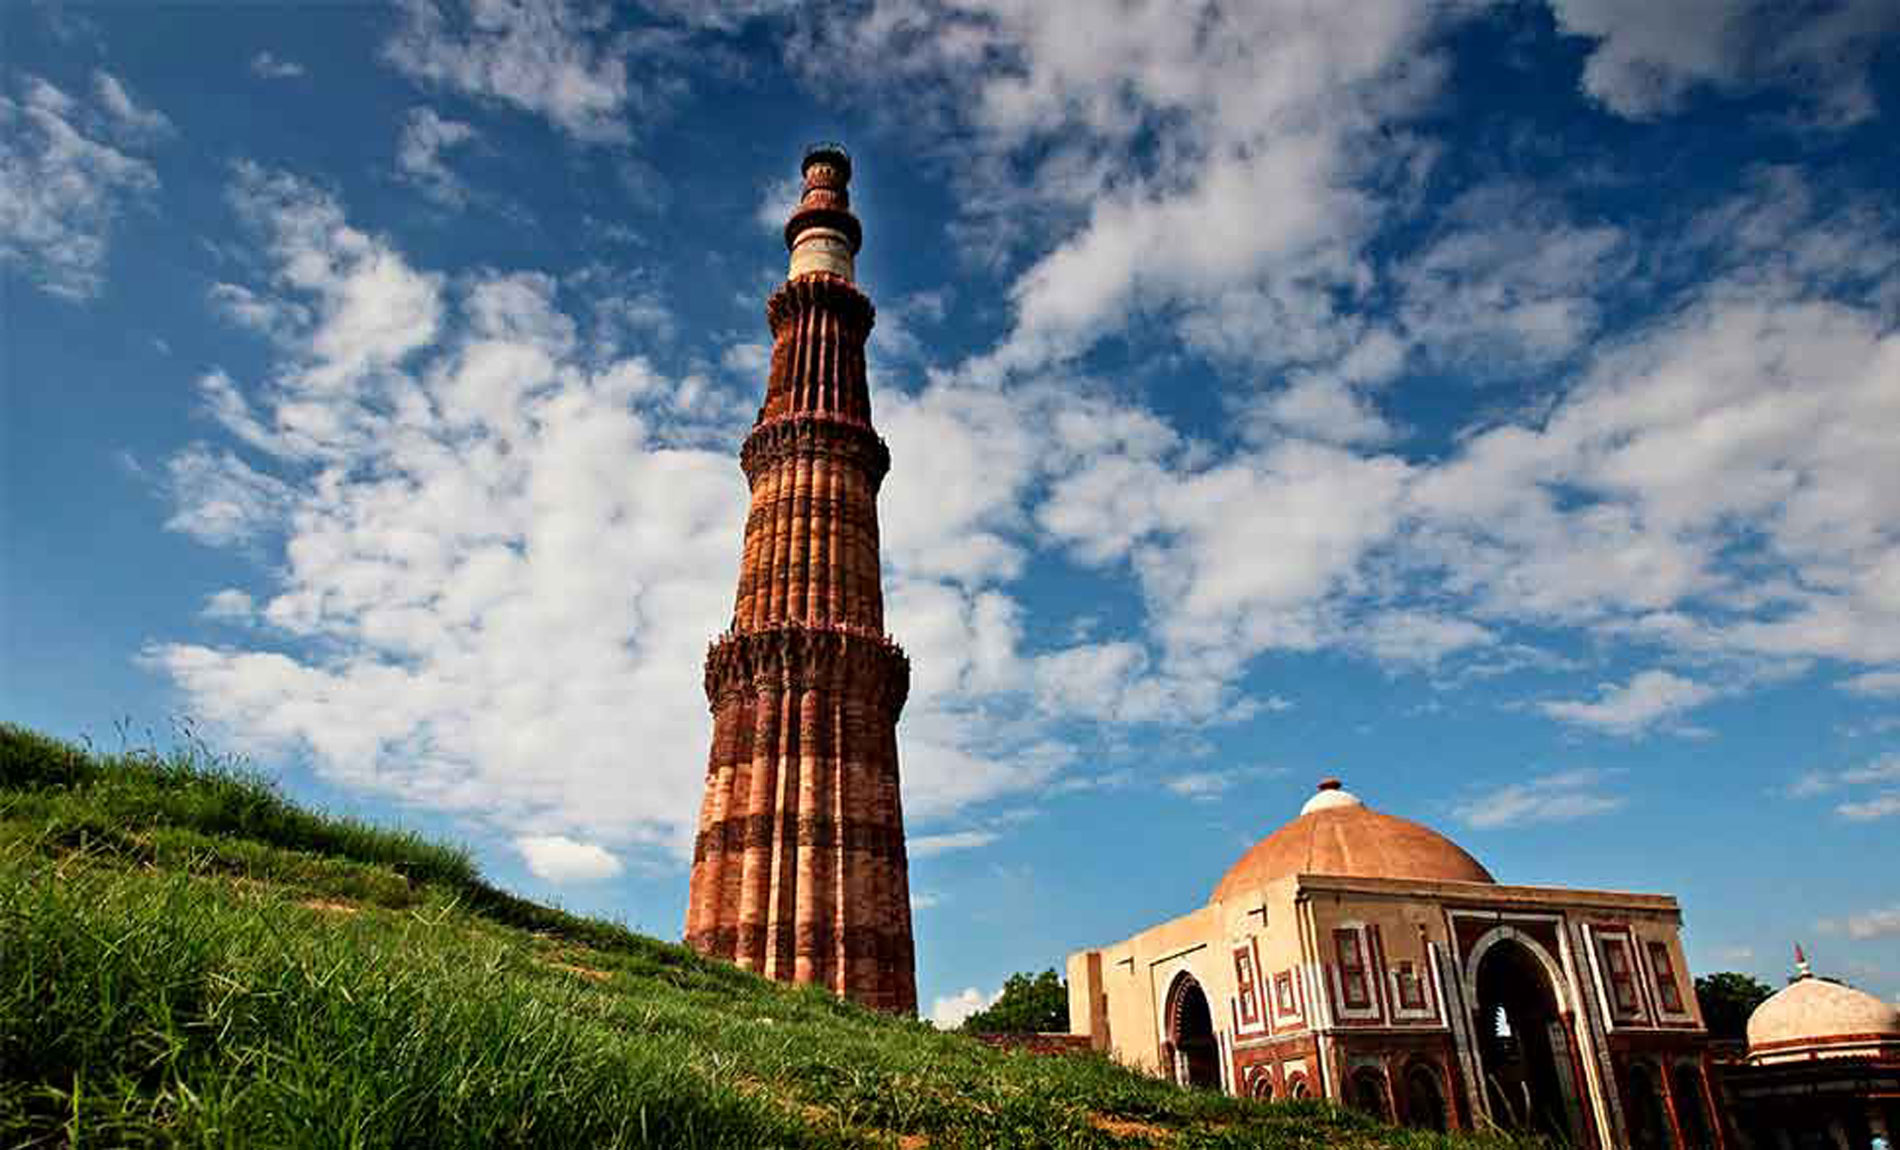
1812 1014
1330 797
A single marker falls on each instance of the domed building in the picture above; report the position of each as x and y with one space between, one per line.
1363 957
1823 1068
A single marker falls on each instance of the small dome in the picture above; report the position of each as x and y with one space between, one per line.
1337 834
1811 1014
1329 796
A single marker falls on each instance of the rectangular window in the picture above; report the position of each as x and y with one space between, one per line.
1283 995
1616 960
1411 987
1667 991
1352 970
1244 986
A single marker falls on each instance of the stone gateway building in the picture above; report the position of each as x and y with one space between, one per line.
799 868
1365 958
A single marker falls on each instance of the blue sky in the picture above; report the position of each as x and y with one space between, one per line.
1497 406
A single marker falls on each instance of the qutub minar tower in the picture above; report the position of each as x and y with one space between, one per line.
799 870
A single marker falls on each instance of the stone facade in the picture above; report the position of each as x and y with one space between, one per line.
799 868
1424 992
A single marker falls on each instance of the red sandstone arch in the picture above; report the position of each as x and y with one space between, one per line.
1367 1093
1523 1037
1190 1034
1426 1093
1261 1085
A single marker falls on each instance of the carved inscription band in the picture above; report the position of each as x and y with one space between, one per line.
804 658
812 436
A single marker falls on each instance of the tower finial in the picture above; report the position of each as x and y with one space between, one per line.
823 235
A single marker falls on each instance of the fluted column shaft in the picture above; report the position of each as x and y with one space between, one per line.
799 867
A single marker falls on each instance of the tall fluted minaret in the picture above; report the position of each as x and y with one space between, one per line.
799 870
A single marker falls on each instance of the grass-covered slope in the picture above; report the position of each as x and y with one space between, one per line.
186 958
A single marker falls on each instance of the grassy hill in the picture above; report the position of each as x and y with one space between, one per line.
186 958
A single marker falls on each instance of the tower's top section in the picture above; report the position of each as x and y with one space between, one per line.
823 235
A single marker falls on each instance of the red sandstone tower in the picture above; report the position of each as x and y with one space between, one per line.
799 870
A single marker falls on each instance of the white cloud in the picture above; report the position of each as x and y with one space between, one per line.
776 202
750 359
1417 637
968 456
62 187
425 136
1649 698
229 606
279 319
268 66
560 859
502 553
1508 283
1709 482
1263 103
370 309
1100 679
139 124
221 499
926 846
1884 769
1882 806
1323 408
1195 537
1877 684
1643 504
1649 57
549 58
1883 922
1558 797
895 341
948 1013
626 312
492 551
1200 785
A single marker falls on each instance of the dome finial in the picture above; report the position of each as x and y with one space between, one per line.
1330 796
1801 963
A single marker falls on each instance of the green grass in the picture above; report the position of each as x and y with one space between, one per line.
186 958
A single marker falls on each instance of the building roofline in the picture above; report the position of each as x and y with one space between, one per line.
1462 892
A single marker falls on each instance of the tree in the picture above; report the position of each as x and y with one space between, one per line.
1727 1000
1028 1005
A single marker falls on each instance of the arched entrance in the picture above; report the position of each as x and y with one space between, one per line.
1522 1044
1424 1099
1368 1093
1191 1035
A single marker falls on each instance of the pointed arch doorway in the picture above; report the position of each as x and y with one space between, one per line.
1523 1045
1191 1039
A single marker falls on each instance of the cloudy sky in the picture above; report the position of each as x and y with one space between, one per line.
1497 406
